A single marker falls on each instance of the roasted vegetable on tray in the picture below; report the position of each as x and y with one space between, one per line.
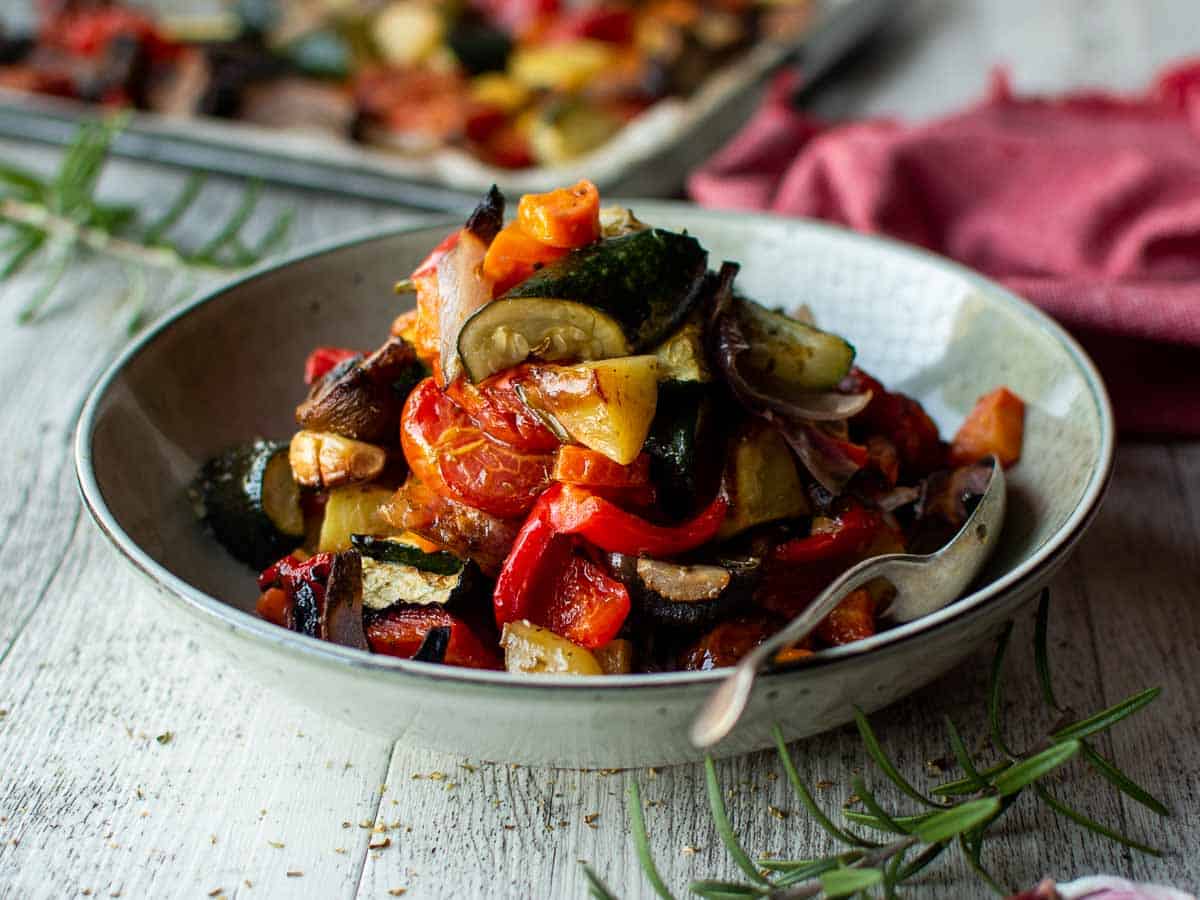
585 452
513 83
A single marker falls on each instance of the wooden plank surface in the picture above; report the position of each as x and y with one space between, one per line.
248 788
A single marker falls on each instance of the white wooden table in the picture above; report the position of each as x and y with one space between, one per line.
256 798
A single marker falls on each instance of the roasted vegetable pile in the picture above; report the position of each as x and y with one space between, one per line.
583 451
516 83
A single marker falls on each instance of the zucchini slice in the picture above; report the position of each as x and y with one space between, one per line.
686 449
250 501
617 296
394 572
505 333
787 355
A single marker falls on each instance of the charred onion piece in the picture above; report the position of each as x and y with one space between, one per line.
342 622
362 399
462 287
795 417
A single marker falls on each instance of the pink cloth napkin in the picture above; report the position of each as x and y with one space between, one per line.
1088 205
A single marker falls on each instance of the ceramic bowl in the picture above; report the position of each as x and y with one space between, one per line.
226 368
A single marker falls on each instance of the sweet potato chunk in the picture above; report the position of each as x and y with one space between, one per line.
994 427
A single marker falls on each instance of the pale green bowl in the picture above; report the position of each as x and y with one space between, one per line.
226 367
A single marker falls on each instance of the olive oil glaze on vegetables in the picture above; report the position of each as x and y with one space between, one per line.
584 451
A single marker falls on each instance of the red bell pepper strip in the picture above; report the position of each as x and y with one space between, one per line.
529 577
322 360
576 510
857 527
588 606
532 567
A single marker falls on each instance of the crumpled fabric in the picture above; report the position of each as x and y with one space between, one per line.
1088 205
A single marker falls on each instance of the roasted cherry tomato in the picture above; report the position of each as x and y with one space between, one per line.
851 620
579 465
399 631
450 453
725 644
900 419
497 408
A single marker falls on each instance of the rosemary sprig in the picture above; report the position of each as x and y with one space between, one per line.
955 813
52 221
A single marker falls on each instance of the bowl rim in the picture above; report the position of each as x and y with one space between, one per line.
1060 542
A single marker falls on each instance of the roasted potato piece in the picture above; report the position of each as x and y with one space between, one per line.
529 649
356 509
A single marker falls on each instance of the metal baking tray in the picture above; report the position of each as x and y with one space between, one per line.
650 157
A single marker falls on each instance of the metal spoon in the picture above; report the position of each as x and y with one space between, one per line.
924 584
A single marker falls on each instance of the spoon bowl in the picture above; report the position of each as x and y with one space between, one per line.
923 584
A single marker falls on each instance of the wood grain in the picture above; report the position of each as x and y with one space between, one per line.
92 669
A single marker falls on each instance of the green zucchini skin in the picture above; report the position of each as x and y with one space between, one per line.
685 447
385 550
398 573
787 355
478 46
648 281
228 498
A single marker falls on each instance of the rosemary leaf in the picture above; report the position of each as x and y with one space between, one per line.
805 872
994 693
973 856
881 759
844 882
233 225
806 798
1121 781
273 238
641 842
1105 719
725 890
1090 824
724 829
963 755
1041 655
60 256
26 185
882 817
1029 770
941 826
924 858
155 232
24 252
597 889
961 786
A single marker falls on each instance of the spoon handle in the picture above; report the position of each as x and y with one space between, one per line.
725 705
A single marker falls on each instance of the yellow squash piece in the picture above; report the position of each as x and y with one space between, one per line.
761 481
531 650
566 66
607 406
353 510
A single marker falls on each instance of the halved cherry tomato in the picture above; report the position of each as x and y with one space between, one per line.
399 631
498 409
448 452
566 217
514 255
588 606
322 359
579 465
